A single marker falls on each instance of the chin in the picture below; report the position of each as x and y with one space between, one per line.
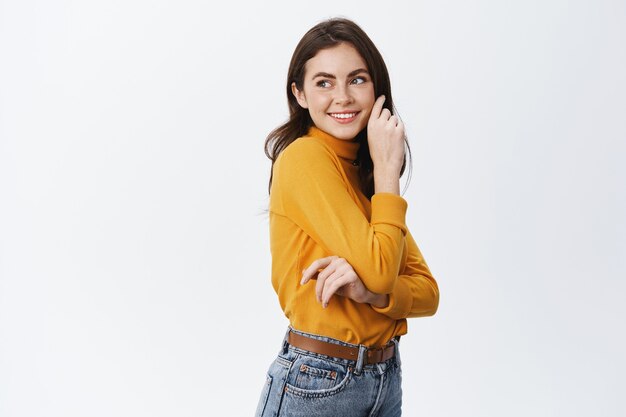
344 132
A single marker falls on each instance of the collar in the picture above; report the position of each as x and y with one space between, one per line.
346 149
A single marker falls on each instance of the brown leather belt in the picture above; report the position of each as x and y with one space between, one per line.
339 351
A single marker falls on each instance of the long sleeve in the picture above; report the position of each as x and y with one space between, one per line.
313 193
416 293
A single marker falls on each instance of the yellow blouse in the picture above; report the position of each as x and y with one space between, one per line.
316 210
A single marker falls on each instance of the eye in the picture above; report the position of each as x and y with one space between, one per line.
322 82
359 78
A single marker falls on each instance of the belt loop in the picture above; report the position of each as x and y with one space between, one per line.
360 361
396 340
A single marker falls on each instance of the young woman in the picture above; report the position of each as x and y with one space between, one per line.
346 269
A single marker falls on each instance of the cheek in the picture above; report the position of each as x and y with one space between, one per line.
368 99
367 108
320 103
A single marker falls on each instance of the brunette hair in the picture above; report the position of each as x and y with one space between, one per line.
327 34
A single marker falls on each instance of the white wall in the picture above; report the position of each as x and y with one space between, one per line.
134 257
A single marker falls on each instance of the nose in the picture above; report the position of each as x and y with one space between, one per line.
343 96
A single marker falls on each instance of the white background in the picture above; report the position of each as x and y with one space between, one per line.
134 256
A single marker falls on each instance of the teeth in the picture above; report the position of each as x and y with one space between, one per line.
343 115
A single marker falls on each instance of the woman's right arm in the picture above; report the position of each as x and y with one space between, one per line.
416 293
310 190
385 136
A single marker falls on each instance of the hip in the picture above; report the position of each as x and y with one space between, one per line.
305 382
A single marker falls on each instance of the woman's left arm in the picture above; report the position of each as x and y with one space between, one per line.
416 293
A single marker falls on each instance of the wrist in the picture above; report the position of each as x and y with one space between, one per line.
386 170
387 181
379 300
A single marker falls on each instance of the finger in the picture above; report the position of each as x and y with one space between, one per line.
331 286
334 284
310 276
394 120
321 279
313 269
306 276
378 105
319 286
385 114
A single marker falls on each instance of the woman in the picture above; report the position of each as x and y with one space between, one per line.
346 269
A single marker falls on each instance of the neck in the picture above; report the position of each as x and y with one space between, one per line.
346 149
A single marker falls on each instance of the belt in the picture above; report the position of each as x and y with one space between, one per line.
372 355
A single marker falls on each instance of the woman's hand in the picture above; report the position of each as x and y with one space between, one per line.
338 277
385 136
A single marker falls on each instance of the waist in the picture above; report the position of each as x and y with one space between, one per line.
343 319
334 348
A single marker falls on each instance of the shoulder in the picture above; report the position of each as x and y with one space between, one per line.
306 151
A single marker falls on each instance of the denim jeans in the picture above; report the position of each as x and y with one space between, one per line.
303 383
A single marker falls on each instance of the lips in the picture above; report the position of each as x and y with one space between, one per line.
344 116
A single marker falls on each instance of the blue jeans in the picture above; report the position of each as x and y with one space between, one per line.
303 383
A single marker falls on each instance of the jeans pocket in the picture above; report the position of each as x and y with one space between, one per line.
316 377
264 396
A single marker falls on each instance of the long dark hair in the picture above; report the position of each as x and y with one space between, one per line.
327 34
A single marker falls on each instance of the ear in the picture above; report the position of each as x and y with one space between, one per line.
299 95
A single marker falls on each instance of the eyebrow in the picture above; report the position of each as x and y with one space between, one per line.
327 75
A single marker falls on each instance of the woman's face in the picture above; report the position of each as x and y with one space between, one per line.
337 90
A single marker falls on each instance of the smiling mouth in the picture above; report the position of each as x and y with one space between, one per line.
344 116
